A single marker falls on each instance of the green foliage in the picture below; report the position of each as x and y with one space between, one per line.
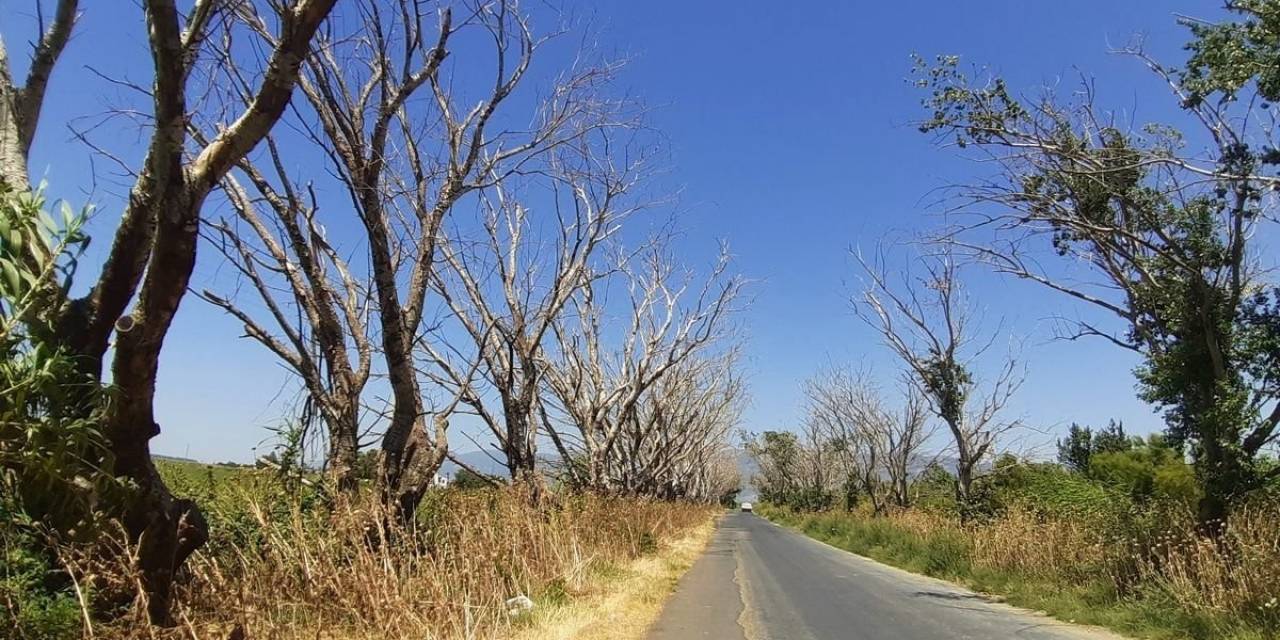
53 462
1048 489
781 480
1149 469
934 489
1227 57
777 454
949 383
467 480
234 499
1175 248
1077 449
34 602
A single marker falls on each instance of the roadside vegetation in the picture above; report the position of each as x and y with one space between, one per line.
1160 234
286 566
1116 545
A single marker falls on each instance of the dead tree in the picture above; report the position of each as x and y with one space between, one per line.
905 433
404 160
929 323
321 330
537 241
673 437
605 357
875 443
153 253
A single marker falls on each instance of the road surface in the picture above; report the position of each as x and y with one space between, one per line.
759 581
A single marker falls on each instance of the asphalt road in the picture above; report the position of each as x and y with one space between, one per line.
759 581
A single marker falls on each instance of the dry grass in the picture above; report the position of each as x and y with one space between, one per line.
622 605
1238 573
296 573
1024 542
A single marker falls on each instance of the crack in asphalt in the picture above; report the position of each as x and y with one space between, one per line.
751 627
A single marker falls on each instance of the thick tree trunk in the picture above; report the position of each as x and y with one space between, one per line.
520 462
166 530
410 456
1221 478
521 447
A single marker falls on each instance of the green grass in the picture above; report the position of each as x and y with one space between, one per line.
948 555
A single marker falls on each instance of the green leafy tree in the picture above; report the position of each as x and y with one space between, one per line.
1149 469
1077 450
777 455
1111 438
1170 236
1228 57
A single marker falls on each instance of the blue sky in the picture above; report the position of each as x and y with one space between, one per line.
790 138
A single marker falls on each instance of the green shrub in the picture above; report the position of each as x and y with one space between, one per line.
36 600
54 465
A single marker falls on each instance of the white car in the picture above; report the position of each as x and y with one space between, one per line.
746 507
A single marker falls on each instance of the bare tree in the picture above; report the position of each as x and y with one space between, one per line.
537 244
836 418
905 433
599 383
404 163
831 452
930 324
874 443
323 334
681 426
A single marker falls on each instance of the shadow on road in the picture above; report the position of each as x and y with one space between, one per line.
951 595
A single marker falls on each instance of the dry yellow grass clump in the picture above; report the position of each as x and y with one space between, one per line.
296 573
1236 573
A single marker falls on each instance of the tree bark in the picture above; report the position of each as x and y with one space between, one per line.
13 159
344 431
20 107
167 200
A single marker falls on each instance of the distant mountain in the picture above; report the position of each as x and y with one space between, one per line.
486 462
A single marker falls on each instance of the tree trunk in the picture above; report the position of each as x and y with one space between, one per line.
344 450
1221 477
420 461
520 449
165 529
13 157
964 486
